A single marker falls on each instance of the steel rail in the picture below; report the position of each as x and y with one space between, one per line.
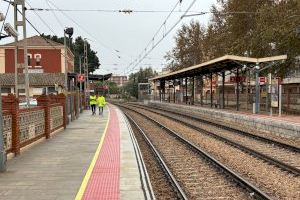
159 158
280 164
252 189
268 140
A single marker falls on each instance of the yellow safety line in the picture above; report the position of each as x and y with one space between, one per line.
92 165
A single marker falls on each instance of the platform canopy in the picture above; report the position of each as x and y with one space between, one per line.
227 62
93 77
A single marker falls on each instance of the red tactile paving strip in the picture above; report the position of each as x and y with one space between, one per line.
104 180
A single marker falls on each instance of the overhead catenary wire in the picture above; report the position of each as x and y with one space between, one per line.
55 16
42 20
126 11
157 32
86 31
164 36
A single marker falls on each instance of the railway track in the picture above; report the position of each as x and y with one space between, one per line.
163 182
284 156
199 174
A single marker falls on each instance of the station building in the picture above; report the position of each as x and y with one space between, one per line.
46 65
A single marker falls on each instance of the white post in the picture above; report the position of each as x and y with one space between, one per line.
280 100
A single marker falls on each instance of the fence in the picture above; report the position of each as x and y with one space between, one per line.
7 130
24 126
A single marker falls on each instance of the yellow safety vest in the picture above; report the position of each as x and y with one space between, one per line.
93 100
101 101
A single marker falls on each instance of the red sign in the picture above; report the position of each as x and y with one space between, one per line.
105 87
262 79
81 77
234 79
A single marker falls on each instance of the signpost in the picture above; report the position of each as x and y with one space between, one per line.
81 77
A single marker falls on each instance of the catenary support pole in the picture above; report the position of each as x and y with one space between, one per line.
80 86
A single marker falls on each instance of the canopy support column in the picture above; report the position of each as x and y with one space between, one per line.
223 90
193 91
174 91
237 90
186 90
257 90
211 92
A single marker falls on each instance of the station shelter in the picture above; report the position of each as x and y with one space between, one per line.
231 82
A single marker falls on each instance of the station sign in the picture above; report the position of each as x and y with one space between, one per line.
262 79
234 79
81 77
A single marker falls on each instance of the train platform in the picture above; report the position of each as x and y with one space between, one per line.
286 126
95 157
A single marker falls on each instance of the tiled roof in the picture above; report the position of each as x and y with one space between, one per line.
36 41
43 79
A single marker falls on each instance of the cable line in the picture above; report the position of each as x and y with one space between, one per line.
156 33
165 35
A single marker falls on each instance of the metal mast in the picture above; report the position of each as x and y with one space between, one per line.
21 67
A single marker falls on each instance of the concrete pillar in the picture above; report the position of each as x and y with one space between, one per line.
11 103
44 101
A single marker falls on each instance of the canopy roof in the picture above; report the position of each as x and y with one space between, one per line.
227 62
93 77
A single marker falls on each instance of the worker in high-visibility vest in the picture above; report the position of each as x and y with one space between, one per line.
101 103
93 102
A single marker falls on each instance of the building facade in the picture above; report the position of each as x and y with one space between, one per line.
46 60
119 80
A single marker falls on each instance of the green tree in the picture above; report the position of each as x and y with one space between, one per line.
77 48
113 87
141 76
258 28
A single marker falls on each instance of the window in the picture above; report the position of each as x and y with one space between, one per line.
38 58
29 60
21 91
5 90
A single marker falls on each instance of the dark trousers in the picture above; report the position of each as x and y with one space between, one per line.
100 110
93 109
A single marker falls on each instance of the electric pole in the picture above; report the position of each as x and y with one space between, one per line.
86 71
21 66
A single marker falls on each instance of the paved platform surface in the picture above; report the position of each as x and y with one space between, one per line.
58 168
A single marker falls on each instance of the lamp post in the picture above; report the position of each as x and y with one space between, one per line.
67 31
80 83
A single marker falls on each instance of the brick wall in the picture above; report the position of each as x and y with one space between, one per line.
24 126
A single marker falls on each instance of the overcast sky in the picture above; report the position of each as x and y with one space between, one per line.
117 37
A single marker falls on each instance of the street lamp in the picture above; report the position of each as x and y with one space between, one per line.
67 32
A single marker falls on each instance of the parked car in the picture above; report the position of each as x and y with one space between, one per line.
32 103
